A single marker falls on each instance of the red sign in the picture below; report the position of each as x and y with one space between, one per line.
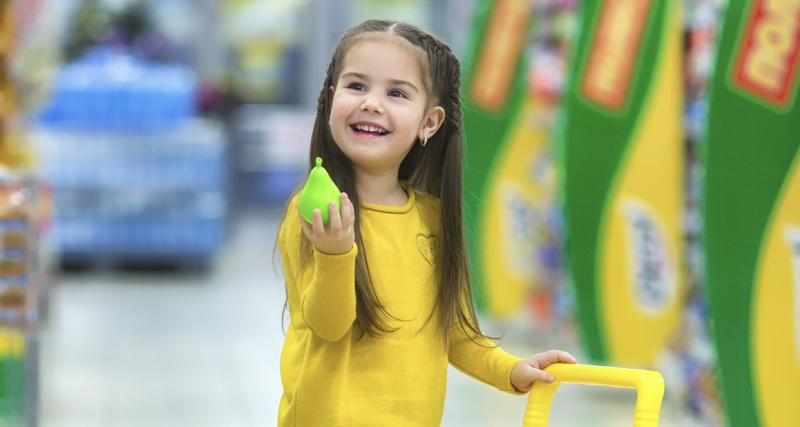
614 50
504 40
766 64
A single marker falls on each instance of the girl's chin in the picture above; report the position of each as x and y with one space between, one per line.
372 159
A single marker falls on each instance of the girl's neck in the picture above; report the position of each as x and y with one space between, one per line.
382 189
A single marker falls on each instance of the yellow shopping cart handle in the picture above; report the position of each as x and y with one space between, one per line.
649 387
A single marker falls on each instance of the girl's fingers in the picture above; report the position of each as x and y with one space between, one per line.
544 376
554 356
557 356
307 230
318 227
348 216
568 358
336 220
539 375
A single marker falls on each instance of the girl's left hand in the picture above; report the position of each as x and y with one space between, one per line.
530 370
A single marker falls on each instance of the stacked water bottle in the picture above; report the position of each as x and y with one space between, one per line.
112 90
136 175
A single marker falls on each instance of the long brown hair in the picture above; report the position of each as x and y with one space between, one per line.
434 169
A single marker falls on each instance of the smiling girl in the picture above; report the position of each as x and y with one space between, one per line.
380 299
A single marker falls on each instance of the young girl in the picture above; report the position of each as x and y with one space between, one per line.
380 299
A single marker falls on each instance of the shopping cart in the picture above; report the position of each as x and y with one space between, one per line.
649 386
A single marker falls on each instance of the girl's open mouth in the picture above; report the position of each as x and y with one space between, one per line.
368 131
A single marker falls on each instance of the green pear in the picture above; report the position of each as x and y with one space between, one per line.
318 193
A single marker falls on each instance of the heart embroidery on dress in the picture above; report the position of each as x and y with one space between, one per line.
426 244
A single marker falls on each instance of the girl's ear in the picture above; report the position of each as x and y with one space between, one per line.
432 122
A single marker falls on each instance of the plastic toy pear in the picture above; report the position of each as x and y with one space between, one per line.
318 193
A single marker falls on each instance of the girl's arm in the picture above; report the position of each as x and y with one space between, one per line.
321 295
482 360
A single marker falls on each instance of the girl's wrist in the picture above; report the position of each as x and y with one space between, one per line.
333 251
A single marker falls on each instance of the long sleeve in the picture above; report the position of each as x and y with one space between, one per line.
325 299
397 379
485 362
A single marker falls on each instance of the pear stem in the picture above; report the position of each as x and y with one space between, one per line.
319 162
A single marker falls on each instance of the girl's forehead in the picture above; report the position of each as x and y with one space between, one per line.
388 38
365 46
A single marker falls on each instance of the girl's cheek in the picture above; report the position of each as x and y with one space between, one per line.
336 111
341 107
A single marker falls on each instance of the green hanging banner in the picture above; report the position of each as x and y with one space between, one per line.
497 191
752 211
622 154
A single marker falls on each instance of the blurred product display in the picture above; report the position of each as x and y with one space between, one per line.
269 153
266 49
141 197
19 268
24 293
108 90
137 176
24 290
550 302
689 362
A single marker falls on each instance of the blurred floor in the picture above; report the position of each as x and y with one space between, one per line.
155 349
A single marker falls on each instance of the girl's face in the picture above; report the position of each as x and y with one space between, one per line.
379 103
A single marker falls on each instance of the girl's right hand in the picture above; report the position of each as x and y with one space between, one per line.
337 238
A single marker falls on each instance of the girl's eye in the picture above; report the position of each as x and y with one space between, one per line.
398 93
356 86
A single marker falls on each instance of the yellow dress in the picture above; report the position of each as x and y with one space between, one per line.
331 377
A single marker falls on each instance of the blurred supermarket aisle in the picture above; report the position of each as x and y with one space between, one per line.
138 349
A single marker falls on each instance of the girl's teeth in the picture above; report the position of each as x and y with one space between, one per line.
370 129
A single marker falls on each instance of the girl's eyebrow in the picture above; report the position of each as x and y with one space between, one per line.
392 81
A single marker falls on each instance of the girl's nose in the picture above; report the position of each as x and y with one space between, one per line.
371 105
